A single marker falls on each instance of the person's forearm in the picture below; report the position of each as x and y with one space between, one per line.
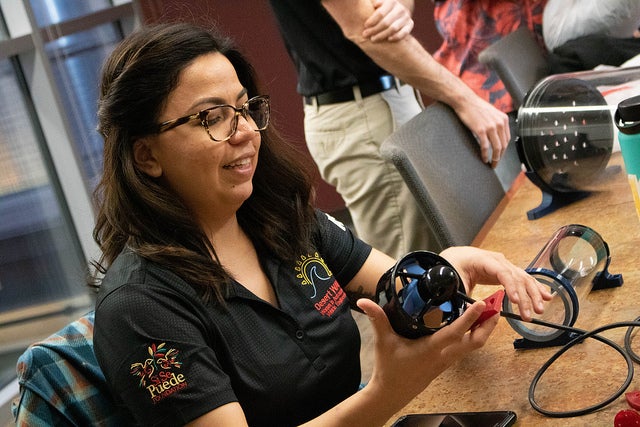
406 59
410 62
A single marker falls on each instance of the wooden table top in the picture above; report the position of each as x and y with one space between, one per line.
498 377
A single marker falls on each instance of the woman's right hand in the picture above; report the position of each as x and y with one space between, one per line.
405 367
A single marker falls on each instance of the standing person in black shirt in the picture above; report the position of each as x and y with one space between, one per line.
356 93
224 297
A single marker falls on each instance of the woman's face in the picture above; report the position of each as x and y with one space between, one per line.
212 178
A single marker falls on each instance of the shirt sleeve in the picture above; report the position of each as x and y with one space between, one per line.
341 249
153 344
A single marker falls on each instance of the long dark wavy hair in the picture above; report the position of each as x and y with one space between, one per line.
137 211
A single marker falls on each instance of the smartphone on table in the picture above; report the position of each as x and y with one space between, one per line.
458 419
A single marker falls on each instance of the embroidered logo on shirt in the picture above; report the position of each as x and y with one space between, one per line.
325 288
157 374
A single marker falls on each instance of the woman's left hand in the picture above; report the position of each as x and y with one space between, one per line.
492 268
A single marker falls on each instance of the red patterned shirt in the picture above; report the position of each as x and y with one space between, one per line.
470 26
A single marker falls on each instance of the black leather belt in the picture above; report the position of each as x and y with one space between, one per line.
347 94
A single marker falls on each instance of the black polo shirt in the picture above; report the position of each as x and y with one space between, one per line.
324 58
169 358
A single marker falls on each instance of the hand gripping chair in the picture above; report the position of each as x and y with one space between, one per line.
61 383
439 159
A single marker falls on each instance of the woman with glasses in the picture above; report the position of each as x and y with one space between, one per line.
224 296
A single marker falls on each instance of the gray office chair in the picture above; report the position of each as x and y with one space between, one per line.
519 62
439 159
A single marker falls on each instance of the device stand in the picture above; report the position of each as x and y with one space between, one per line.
526 344
606 280
602 280
551 200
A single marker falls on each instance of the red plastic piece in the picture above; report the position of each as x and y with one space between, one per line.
627 418
633 399
493 306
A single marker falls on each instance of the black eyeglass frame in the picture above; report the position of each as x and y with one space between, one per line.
202 115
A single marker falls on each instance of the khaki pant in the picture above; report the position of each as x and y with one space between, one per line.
344 140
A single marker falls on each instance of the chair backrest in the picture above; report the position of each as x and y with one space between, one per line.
61 383
439 159
519 62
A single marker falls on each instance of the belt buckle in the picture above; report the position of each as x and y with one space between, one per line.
387 82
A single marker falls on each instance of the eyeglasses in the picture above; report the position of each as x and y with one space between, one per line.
221 121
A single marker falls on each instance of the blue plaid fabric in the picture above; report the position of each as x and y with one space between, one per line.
61 383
